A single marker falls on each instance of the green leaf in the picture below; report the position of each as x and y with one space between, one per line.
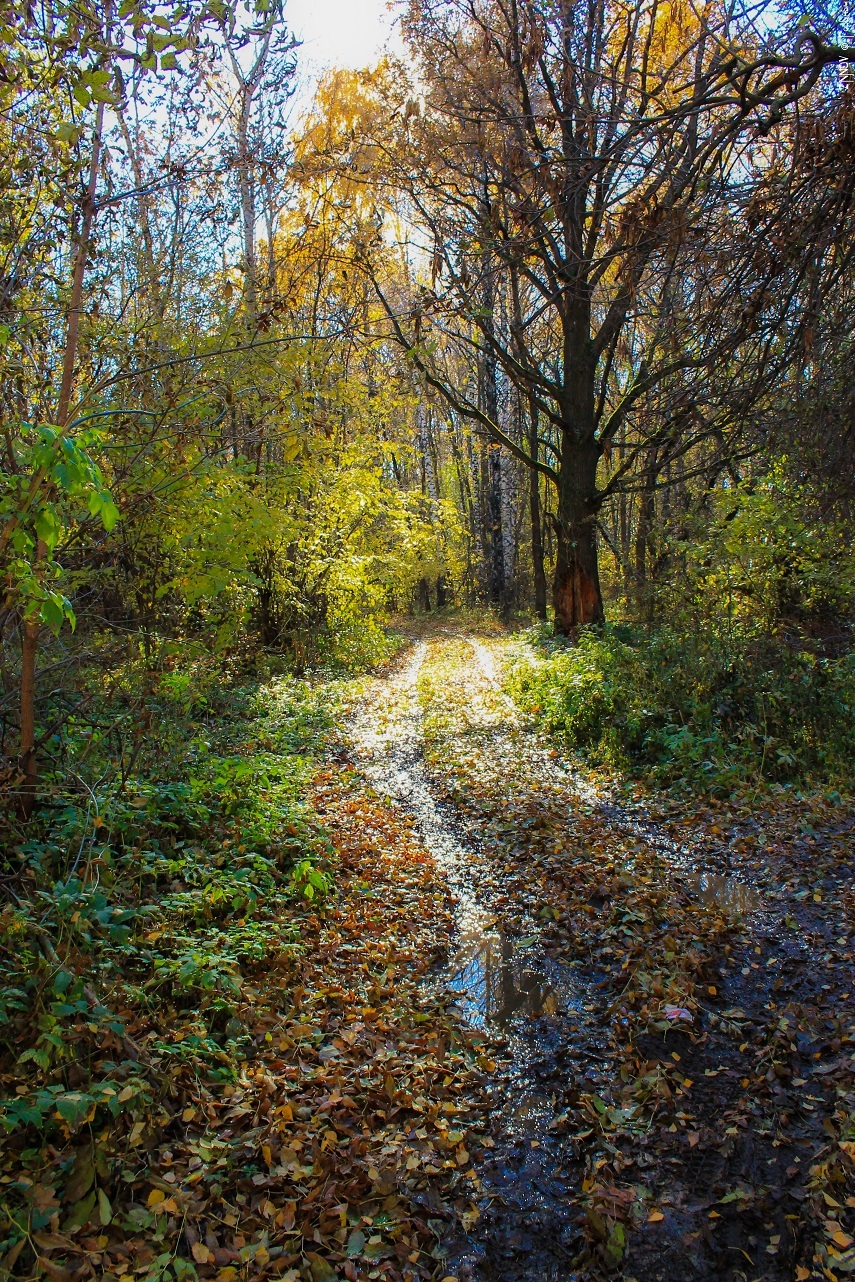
355 1242
55 609
109 513
80 1213
73 1107
68 132
48 527
105 1210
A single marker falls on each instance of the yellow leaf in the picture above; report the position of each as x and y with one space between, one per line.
156 1196
654 1217
843 1240
802 1274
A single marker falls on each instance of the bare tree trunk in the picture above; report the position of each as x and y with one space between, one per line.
246 188
248 85
538 571
643 600
576 594
154 276
576 591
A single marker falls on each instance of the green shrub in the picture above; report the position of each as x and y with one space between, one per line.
713 711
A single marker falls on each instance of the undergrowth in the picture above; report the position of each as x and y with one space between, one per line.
711 712
153 883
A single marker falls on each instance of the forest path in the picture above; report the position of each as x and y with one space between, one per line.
671 1099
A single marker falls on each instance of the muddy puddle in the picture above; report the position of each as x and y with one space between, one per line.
725 892
536 1011
494 981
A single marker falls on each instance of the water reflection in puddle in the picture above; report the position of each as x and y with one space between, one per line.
727 892
496 982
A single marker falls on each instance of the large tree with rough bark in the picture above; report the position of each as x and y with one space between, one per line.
585 167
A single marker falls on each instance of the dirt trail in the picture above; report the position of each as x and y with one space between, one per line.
674 1091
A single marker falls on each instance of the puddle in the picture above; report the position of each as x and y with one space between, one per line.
496 982
533 1107
715 889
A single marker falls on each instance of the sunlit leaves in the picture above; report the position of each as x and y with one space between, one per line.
57 480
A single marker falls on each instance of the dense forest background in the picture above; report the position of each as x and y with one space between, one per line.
556 318
551 320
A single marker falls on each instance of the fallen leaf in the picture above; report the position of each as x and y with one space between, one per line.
322 1271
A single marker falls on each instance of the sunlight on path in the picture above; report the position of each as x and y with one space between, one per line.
495 981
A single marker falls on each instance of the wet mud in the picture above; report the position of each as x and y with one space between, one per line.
719 1188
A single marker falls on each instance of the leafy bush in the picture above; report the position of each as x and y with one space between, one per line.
156 886
713 711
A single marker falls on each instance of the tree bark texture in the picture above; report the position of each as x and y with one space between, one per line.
537 562
576 595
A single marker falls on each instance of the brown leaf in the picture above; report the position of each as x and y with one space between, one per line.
82 1174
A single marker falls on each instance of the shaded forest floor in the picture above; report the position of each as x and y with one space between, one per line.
532 1031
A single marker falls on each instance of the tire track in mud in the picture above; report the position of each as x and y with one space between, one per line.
565 1194
544 1013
